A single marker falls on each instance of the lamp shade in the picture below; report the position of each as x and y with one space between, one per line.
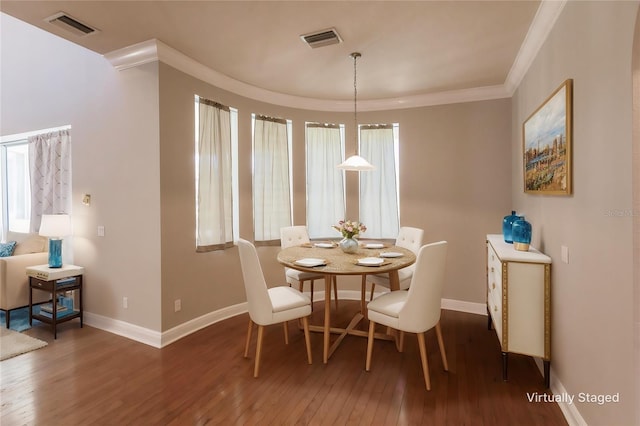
355 163
55 225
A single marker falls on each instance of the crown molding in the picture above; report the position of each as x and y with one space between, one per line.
541 25
134 55
155 50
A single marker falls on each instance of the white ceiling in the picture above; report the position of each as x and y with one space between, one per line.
416 50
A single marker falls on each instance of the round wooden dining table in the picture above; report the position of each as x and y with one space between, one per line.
336 263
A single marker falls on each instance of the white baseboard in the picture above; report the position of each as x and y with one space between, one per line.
570 411
125 329
162 339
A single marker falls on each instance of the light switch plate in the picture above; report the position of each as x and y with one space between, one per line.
564 254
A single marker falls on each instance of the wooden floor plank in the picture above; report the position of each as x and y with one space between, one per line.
88 376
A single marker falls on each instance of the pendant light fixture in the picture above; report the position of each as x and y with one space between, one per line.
355 162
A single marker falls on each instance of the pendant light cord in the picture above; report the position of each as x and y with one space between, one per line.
355 56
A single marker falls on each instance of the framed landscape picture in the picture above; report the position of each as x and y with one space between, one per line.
547 140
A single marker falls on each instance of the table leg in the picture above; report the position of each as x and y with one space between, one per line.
327 317
394 280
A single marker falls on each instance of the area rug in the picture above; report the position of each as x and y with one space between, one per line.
19 319
13 343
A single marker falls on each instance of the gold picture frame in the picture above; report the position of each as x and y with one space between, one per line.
547 140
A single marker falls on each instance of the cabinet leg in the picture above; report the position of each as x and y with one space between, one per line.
488 318
547 371
505 362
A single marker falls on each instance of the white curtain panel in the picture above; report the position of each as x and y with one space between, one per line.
378 188
214 187
325 183
50 174
271 186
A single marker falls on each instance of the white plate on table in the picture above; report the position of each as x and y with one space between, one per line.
374 245
324 245
310 262
370 261
391 254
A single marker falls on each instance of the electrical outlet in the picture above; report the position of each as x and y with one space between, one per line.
125 302
177 305
100 230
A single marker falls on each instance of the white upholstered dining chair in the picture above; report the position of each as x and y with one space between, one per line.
295 236
270 305
417 309
409 238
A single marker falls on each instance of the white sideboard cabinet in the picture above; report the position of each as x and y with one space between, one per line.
519 301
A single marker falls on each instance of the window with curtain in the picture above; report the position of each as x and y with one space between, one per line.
379 203
35 177
271 178
214 175
325 183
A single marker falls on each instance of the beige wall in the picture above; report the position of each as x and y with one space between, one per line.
48 82
592 295
454 182
636 208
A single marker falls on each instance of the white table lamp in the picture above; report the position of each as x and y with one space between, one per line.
55 226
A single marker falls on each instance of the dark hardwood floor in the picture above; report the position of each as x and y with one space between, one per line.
91 377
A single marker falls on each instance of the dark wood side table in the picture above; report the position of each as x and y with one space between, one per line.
55 281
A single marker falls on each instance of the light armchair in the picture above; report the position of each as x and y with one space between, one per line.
409 238
269 306
30 250
417 309
295 236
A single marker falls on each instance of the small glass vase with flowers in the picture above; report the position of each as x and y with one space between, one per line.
350 230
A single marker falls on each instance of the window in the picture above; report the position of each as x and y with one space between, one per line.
16 192
325 183
379 202
40 160
216 175
271 178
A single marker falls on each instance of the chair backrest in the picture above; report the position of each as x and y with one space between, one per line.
260 307
421 311
410 238
293 236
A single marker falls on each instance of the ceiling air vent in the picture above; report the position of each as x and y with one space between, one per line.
68 23
322 38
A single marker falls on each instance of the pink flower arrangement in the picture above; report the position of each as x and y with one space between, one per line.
349 229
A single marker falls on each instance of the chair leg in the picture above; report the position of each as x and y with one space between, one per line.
286 332
399 340
256 369
312 294
441 344
307 339
246 345
372 329
423 358
373 287
335 290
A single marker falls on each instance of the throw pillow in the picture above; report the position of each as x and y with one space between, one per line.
6 249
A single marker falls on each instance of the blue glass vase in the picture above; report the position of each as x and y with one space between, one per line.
55 253
507 223
521 232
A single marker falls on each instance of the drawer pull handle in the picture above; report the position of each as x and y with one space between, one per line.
494 286
493 269
495 309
